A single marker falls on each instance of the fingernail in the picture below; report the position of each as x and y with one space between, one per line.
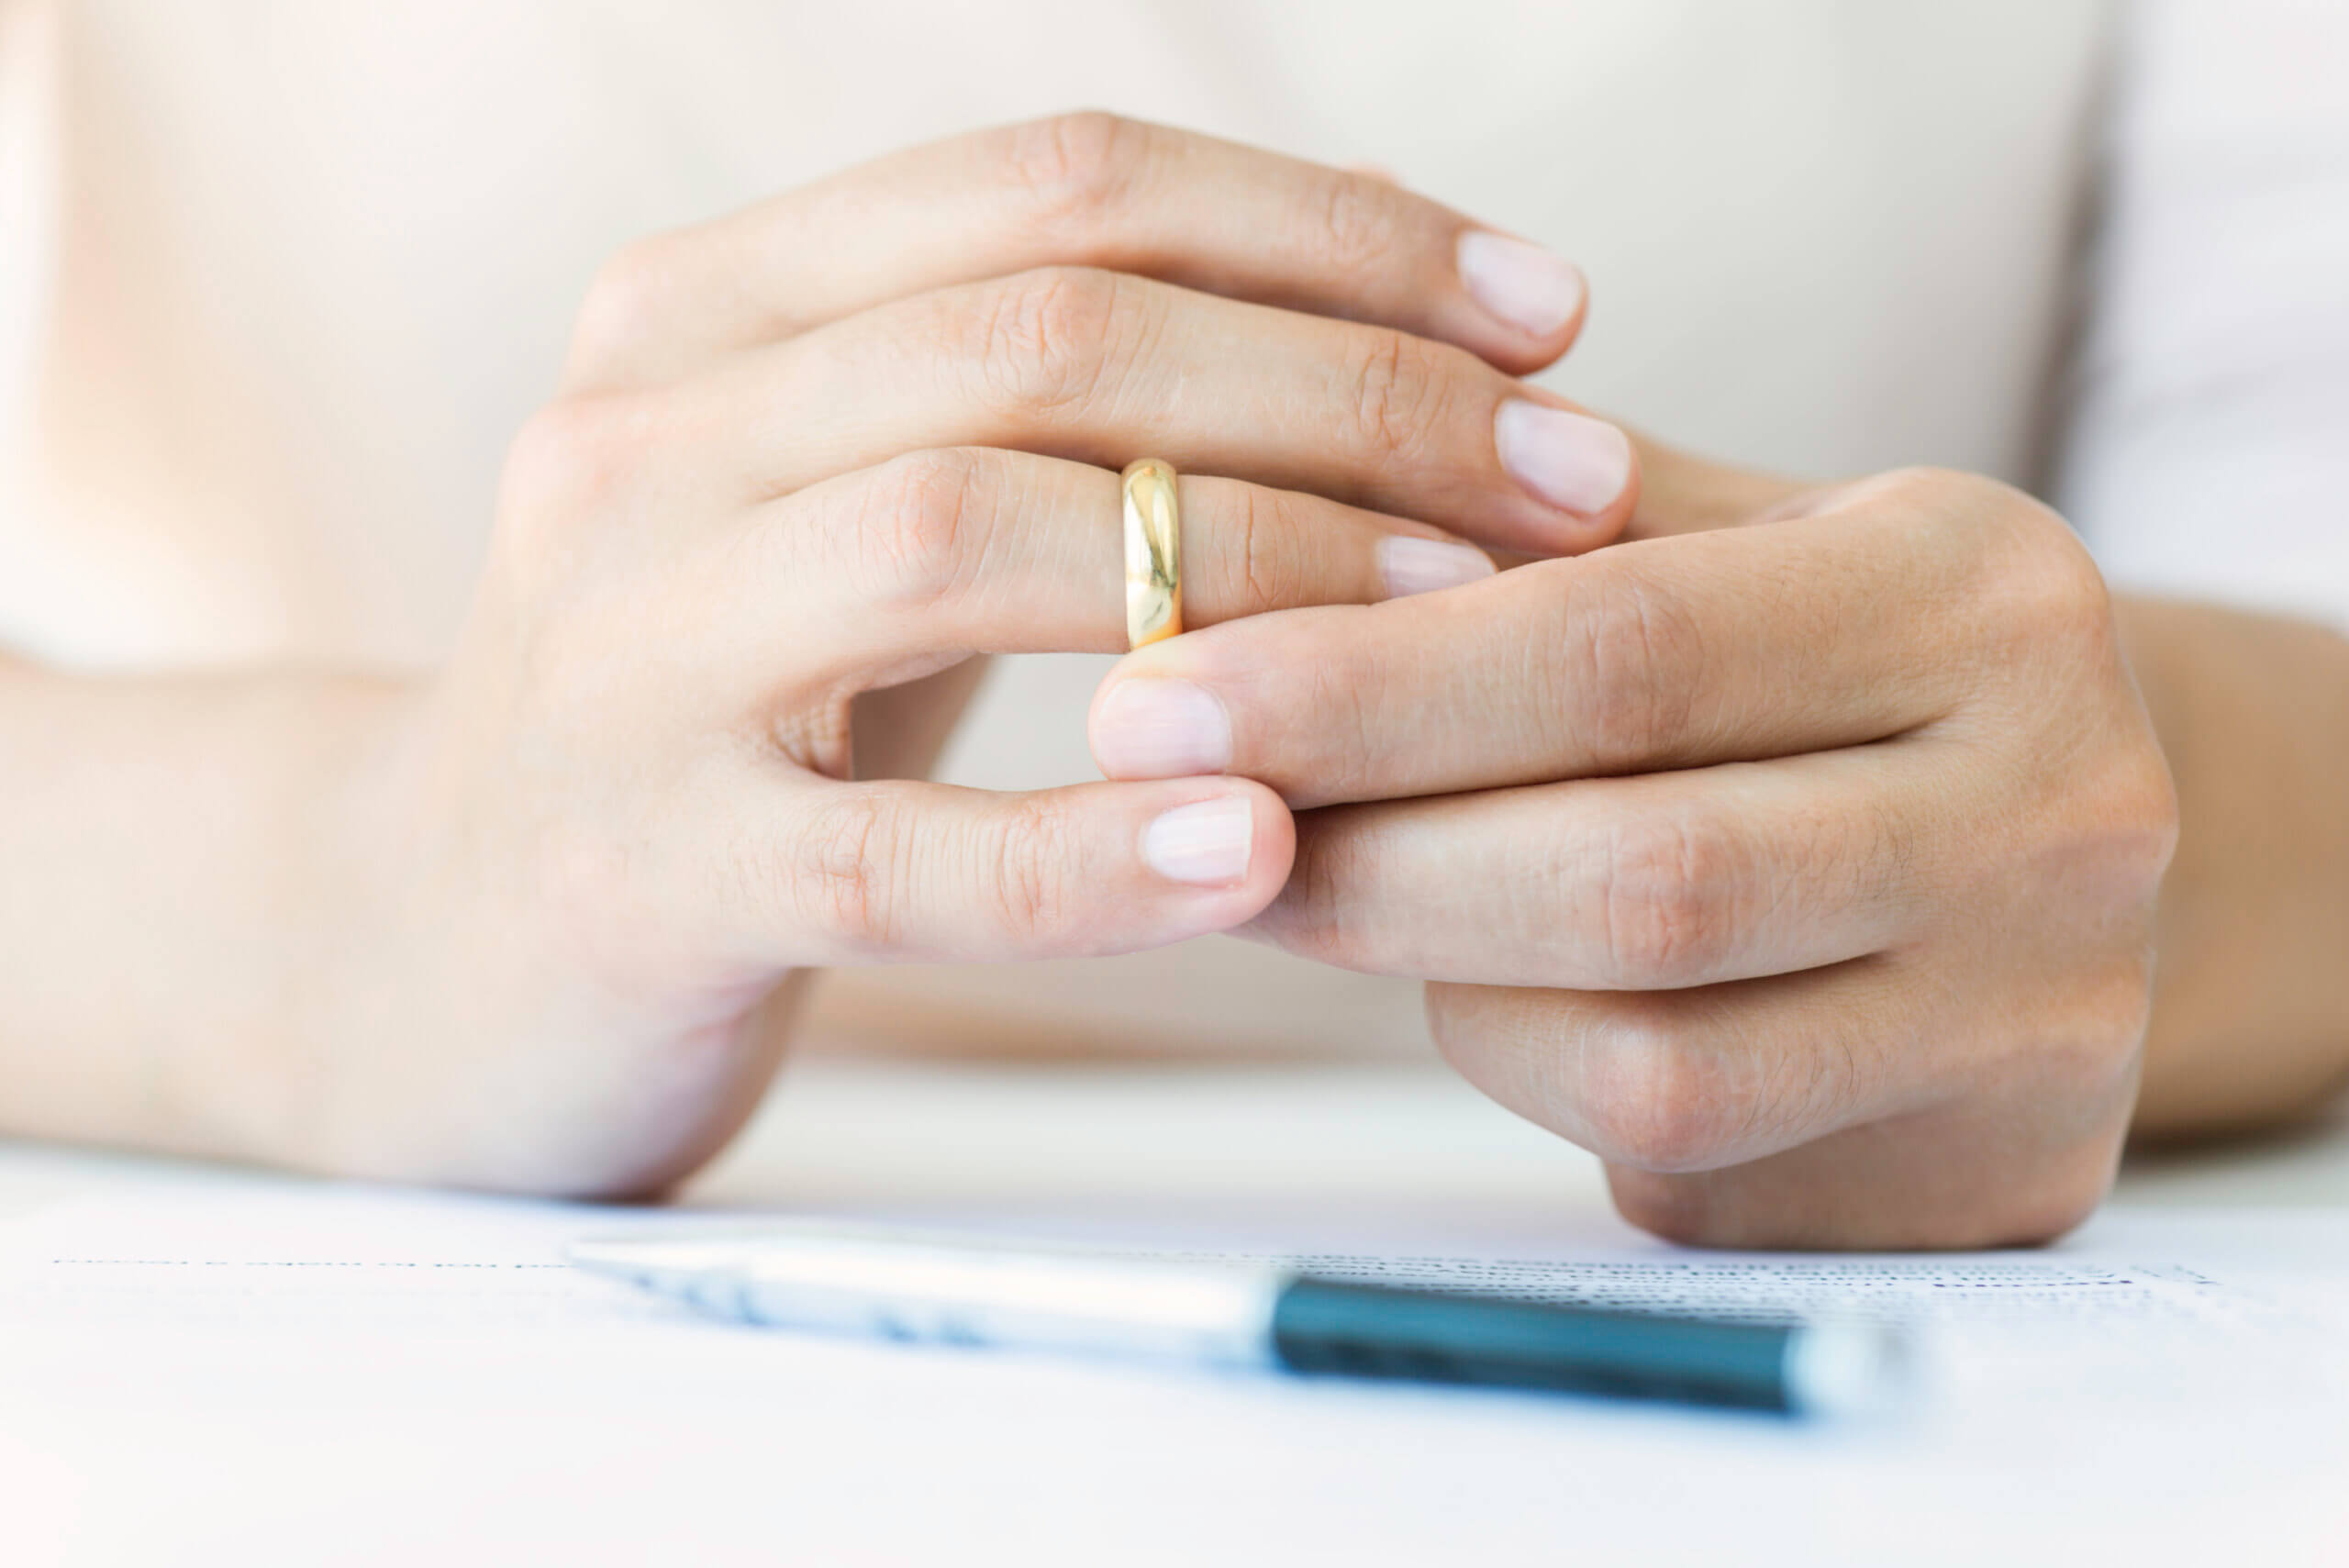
1204 842
1158 728
1523 284
1570 460
1422 565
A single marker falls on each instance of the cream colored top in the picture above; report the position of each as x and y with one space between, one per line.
278 280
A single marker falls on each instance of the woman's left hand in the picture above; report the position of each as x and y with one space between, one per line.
1804 870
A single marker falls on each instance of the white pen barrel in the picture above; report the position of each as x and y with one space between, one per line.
1061 1301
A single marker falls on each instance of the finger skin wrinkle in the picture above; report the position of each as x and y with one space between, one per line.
1049 340
1261 593
1654 1102
1317 723
1357 224
1656 898
1345 707
1397 397
1792 1094
916 519
1074 168
845 853
1643 676
816 738
1029 897
992 505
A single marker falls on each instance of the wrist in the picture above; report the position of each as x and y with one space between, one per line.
337 913
174 912
2251 1006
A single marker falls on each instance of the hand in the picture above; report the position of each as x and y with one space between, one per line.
844 442
1804 870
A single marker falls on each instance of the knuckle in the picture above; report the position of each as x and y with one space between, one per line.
1076 165
1634 662
2062 587
2108 804
572 458
2122 833
1050 338
2144 803
1651 1101
916 528
844 876
2032 574
1925 496
1356 223
1023 860
626 303
1921 487
1662 902
1396 394
2085 1045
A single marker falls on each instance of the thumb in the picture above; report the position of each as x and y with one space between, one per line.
898 870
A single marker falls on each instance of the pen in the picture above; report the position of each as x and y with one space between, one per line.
957 1290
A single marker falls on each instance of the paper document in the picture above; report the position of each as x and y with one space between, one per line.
205 1367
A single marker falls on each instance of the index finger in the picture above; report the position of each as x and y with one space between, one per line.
1669 653
1085 189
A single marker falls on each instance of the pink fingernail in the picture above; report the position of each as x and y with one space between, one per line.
1207 842
1523 284
1573 461
1412 565
1157 729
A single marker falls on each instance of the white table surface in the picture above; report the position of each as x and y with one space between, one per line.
1388 1146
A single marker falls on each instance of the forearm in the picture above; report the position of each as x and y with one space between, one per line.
180 876
2251 1014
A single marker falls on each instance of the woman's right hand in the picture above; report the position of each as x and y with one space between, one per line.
844 442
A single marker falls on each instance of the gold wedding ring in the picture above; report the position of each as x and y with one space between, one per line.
1154 552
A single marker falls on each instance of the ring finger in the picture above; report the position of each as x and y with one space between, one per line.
980 551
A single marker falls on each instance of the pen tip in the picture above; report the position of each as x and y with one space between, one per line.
624 1260
1848 1367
